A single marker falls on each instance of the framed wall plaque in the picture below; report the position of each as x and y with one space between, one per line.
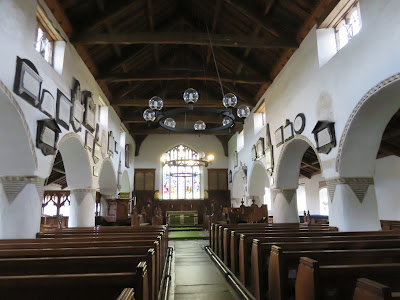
260 148
279 136
324 135
299 123
269 159
89 117
116 148
47 104
103 143
127 155
268 135
253 153
95 171
111 144
27 82
78 107
230 176
89 141
288 130
47 136
96 154
235 159
64 110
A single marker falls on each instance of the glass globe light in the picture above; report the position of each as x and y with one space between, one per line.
199 125
243 111
149 115
156 103
202 155
229 100
190 96
170 122
226 121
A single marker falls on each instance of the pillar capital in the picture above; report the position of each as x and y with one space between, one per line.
13 185
359 185
287 194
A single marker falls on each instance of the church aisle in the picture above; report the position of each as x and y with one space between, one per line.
194 275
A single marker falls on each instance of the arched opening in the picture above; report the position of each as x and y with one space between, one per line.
259 185
69 197
353 202
17 154
108 191
19 199
238 188
125 183
298 172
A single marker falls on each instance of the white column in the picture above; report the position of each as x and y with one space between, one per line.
284 204
82 210
352 204
20 207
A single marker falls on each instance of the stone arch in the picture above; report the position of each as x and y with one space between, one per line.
258 181
108 178
361 138
79 179
76 162
125 183
17 152
289 162
238 187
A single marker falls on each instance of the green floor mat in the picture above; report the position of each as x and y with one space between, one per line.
185 235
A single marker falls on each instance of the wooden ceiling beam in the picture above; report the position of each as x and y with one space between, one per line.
305 174
255 16
114 9
143 102
179 75
137 118
388 147
268 6
217 10
391 134
182 38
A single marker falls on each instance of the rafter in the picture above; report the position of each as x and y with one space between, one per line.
254 15
217 11
143 102
182 38
179 75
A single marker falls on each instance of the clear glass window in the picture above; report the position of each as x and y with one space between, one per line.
301 199
348 27
44 43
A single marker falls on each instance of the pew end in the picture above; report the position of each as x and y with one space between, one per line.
306 282
370 290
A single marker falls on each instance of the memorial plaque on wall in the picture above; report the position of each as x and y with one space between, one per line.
260 148
89 141
299 123
89 119
127 155
64 110
111 144
47 104
27 82
324 135
279 136
78 108
288 130
47 136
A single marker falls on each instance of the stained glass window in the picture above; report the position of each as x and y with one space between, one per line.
181 174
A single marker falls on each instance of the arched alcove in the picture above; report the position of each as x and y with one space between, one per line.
17 153
289 166
238 188
258 181
76 162
125 183
108 178
362 137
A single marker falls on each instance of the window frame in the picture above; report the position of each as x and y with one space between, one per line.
44 24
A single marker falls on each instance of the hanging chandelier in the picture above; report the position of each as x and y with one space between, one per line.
165 118
184 159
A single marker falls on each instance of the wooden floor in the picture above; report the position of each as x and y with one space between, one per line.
194 275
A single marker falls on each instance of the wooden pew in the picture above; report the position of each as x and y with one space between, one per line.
315 280
231 252
282 263
99 286
370 290
127 294
78 265
261 251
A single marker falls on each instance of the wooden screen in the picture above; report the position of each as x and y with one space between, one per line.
217 179
145 179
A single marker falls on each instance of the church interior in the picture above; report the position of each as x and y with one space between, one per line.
214 149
